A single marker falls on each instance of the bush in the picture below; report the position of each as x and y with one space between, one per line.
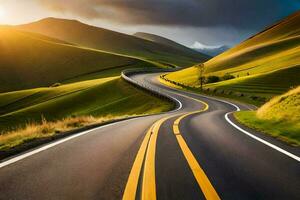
212 79
227 77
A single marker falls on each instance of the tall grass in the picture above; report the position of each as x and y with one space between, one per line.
33 131
282 108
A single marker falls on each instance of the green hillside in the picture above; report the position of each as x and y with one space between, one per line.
81 34
76 99
279 117
264 65
48 86
254 54
32 60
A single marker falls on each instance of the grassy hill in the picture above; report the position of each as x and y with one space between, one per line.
76 99
43 77
279 117
85 35
266 64
32 60
30 115
255 54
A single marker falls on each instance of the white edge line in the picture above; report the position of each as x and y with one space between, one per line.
249 134
261 140
48 146
253 136
43 148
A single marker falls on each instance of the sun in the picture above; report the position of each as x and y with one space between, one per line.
2 14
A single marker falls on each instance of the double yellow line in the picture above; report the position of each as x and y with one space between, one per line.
147 151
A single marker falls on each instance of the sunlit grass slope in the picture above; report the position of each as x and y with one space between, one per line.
278 44
264 85
275 48
32 60
266 64
279 117
99 97
89 36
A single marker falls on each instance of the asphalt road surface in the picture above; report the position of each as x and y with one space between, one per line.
194 152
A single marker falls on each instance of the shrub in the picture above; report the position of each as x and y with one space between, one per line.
227 77
212 79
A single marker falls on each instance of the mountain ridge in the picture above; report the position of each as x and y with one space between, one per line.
76 32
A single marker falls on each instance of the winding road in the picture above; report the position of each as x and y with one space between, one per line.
197 151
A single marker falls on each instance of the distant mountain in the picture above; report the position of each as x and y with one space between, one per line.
81 34
209 50
165 41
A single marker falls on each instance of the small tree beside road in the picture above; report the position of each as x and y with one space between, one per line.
201 75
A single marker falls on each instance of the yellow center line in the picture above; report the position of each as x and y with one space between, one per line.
200 176
147 150
149 185
133 179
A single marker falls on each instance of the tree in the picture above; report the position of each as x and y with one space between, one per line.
201 74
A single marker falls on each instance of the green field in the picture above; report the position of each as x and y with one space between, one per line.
102 39
99 98
49 86
29 60
280 117
264 65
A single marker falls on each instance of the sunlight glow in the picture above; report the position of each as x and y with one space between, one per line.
2 14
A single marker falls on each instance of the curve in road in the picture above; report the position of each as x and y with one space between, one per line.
192 153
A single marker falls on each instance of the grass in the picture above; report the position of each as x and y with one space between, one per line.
99 98
110 41
34 131
280 117
48 86
30 61
285 131
264 65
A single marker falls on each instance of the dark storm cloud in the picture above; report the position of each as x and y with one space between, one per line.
244 14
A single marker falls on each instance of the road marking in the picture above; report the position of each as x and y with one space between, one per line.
203 181
148 184
293 156
133 179
48 146
147 151
261 140
200 176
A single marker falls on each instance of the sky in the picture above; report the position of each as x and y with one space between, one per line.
189 22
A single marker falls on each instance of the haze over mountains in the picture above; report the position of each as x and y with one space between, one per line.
209 50
75 32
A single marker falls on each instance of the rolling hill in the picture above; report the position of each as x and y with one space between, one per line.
46 77
33 60
75 32
266 64
98 97
279 117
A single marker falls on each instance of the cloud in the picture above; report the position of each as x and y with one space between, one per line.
198 45
242 14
